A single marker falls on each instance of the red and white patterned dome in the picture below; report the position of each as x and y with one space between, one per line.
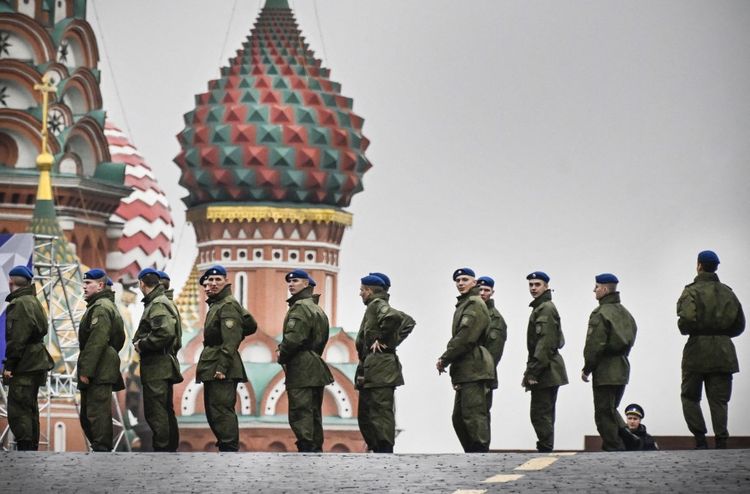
147 236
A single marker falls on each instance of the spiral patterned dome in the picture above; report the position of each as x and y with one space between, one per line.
147 236
274 127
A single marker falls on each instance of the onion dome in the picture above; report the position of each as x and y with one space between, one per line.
274 127
147 235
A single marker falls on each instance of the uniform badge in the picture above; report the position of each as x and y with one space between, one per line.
384 309
292 323
94 321
229 323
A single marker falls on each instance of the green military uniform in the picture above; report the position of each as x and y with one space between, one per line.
222 335
158 338
611 334
101 336
711 315
494 341
378 374
545 365
304 339
471 370
27 358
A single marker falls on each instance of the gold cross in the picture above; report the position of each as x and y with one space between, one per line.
45 88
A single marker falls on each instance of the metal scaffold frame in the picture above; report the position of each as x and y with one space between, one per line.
61 284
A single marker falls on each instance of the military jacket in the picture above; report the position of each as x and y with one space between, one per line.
544 339
610 336
101 336
304 339
25 328
381 323
157 338
711 315
468 360
495 337
222 335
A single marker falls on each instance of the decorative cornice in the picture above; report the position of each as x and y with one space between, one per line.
275 214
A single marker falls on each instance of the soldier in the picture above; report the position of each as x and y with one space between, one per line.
710 314
26 360
497 332
220 366
545 367
156 340
471 365
635 436
611 335
299 353
379 370
101 336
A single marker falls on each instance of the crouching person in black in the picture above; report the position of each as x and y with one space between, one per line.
635 436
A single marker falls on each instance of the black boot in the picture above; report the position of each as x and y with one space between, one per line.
700 442
721 443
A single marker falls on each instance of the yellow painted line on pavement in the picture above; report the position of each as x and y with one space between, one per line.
537 463
470 491
502 478
564 453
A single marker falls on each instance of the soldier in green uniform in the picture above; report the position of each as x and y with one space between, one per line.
710 314
26 360
299 353
545 367
165 282
156 340
610 336
379 370
101 336
497 331
471 365
220 366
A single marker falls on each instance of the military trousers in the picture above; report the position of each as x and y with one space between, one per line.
542 413
471 416
608 420
376 418
219 400
23 414
96 416
305 417
718 391
158 409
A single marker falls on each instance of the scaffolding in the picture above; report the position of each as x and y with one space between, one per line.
61 284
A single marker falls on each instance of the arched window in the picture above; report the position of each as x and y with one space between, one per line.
240 288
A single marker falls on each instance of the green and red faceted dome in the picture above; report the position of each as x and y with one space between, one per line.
274 127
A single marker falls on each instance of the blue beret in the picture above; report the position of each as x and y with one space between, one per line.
147 271
312 281
605 278
373 280
462 272
708 257
635 409
486 281
215 270
202 280
109 281
383 277
22 271
162 275
94 274
299 274
538 275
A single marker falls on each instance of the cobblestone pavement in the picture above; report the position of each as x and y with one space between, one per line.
664 472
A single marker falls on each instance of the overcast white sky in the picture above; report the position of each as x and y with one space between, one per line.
572 137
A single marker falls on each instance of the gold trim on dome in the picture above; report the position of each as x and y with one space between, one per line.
276 214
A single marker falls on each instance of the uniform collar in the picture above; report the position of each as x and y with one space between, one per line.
306 292
474 291
707 277
159 290
103 294
545 297
27 290
490 303
610 298
223 293
384 296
